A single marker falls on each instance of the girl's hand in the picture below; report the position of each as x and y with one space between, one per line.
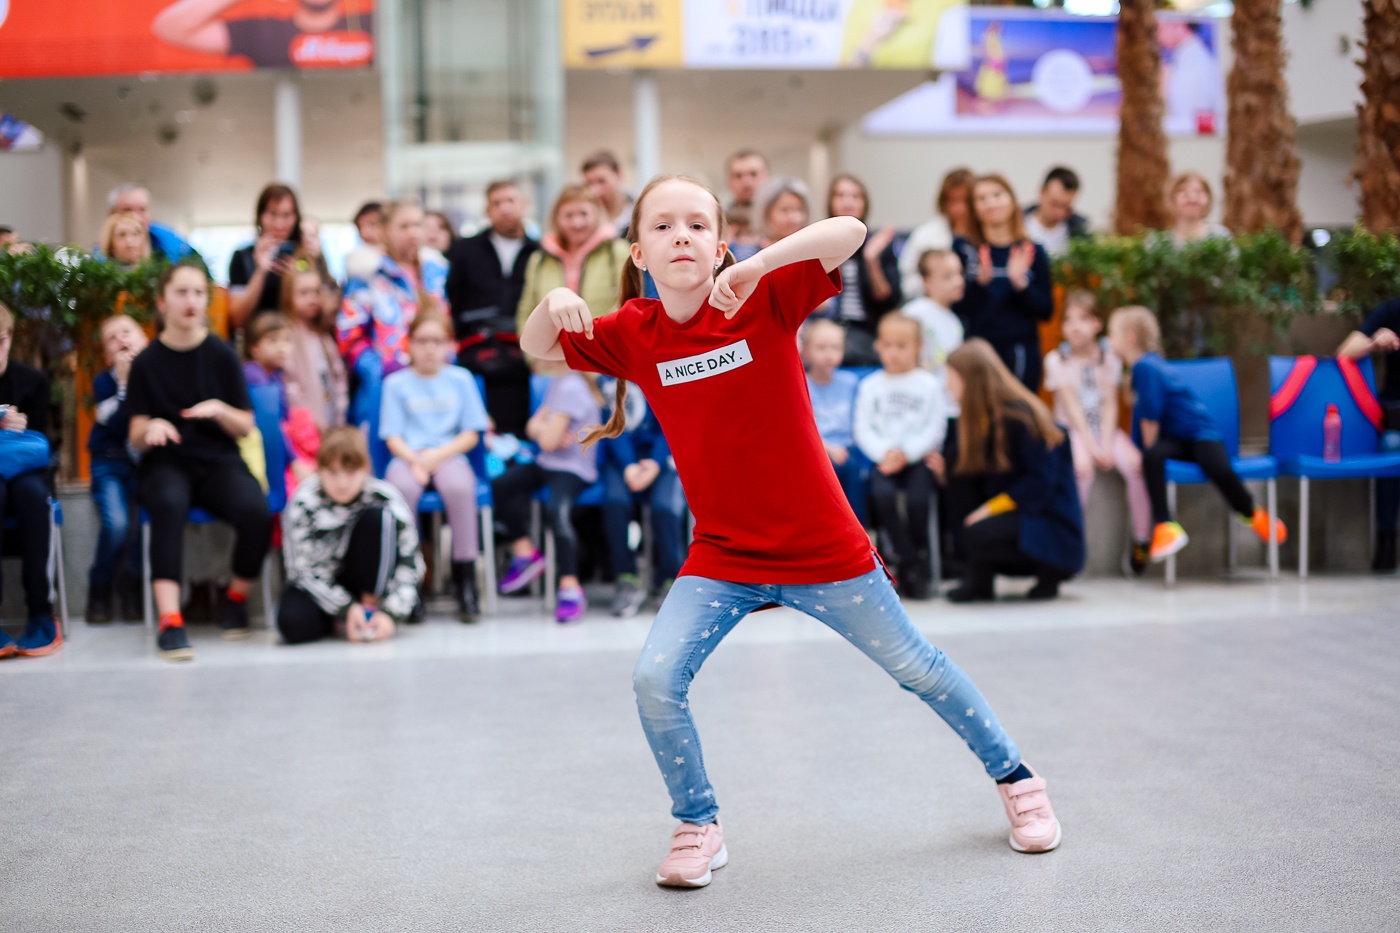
984 265
893 462
838 454
640 475
1018 265
878 243
121 364
978 514
265 252
379 627
209 410
735 285
569 312
355 623
938 466
421 474
1385 341
311 238
160 432
14 420
1103 458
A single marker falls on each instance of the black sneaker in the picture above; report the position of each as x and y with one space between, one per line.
627 600
233 618
130 598
99 605
1136 559
1384 561
464 586
174 645
1045 588
914 582
967 592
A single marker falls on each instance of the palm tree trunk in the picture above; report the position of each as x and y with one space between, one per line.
1378 132
1142 144
1261 164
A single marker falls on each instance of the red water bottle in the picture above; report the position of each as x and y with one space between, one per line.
1332 435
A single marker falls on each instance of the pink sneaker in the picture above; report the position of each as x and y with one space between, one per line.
1033 824
695 852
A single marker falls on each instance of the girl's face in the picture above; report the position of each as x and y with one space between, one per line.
272 351
403 234
955 207
342 485
1081 327
993 204
1191 201
575 222
306 297
847 200
185 299
428 348
1119 340
279 220
678 237
824 348
436 234
786 215
119 334
129 244
955 385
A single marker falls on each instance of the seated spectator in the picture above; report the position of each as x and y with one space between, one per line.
314 372
432 417
8 238
188 403
484 283
114 476
581 252
285 243
363 260
1379 334
951 218
25 399
944 287
1012 457
135 199
372 329
869 279
438 231
603 175
1189 201
1085 376
268 339
351 550
124 239
1008 280
745 172
565 468
783 207
635 463
744 240
1051 221
900 419
833 393
1170 422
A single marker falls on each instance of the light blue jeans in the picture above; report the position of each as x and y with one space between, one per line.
699 612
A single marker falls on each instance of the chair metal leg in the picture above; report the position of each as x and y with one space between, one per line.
935 542
1171 559
1271 492
550 571
648 562
269 607
536 523
56 555
1303 527
1231 544
148 597
488 558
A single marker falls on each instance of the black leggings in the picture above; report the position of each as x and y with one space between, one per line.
994 547
512 491
365 570
1213 460
26 499
170 487
908 533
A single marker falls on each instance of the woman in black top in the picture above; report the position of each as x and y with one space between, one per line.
189 404
870 278
1008 280
284 243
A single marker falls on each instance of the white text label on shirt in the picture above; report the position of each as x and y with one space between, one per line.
705 365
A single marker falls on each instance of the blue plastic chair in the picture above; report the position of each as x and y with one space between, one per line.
58 587
1214 381
1296 436
266 403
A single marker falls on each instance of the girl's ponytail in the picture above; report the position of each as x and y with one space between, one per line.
615 424
631 285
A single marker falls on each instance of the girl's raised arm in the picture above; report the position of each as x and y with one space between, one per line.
831 242
560 310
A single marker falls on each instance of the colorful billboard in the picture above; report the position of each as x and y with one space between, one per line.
814 34
71 38
1026 72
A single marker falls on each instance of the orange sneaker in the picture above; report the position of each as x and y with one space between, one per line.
1167 539
1260 523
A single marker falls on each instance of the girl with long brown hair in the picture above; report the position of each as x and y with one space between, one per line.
1012 458
716 356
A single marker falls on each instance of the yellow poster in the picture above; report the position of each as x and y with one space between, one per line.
621 33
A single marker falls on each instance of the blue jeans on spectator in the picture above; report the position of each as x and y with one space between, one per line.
113 491
699 612
851 475
668 510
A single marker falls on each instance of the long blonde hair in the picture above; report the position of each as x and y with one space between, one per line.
991 395
109 233
632 287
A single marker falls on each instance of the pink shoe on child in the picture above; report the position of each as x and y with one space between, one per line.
1033 824
695 852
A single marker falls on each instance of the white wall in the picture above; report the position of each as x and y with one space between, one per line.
31 193
1323 42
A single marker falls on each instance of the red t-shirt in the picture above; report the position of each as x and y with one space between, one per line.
731 396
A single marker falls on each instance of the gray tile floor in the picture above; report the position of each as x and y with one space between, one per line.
1219 756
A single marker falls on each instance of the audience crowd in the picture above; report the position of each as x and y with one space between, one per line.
359 403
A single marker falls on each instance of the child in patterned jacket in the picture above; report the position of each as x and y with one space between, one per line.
353 565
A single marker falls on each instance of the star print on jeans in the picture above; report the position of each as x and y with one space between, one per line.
971 711
661 657
714 604
858 600
680 761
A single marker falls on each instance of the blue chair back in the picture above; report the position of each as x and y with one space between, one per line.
1298 432
861 371
1213 380
539 387
267 415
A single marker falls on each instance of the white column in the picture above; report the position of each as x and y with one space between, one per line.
646 125
287 131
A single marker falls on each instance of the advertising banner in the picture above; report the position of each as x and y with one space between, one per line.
70 38
621 33
1027 72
